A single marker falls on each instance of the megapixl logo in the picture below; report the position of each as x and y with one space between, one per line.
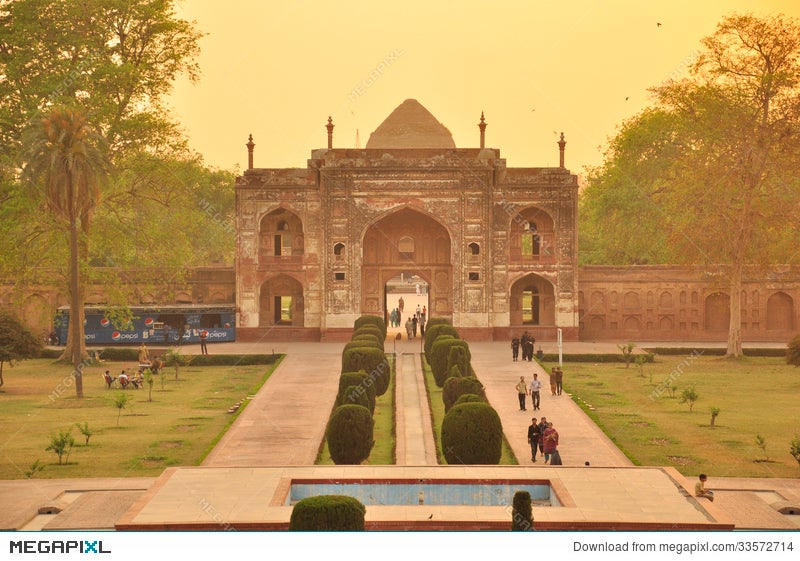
57 546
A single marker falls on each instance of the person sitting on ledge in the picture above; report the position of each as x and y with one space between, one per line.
700 489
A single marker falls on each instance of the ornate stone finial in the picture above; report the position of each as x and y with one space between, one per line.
330 126
561 144
482 126
250 145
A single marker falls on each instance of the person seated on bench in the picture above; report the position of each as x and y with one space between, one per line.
108 378
123 380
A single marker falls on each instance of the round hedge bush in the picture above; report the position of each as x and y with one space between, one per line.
439 354
437 320
472 434
375 321
432 333
354 385
521 512
456 387
459 356
469 398
364 340
356 395
372 361
349 434
327 512
369 330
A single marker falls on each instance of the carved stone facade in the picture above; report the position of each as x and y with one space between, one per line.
496 246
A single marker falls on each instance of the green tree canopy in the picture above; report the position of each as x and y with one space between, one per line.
16 342
709 174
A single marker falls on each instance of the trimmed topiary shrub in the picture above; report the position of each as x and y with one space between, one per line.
469 398
349 434
327 513
472 434
353 385
372 361
439 353
432 333
374 321
459 357
369 330
456 387
357 395
521 513
438 321
363 341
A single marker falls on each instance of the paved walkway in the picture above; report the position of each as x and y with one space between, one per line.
284 424
580 440
415 445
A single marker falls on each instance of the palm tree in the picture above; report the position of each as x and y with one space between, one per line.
65 158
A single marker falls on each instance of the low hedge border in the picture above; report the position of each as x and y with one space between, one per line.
716 351
129 355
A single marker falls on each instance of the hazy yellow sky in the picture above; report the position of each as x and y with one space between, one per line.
277 69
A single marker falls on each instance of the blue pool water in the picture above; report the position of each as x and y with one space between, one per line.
454 494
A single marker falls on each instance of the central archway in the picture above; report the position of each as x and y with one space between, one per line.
407 240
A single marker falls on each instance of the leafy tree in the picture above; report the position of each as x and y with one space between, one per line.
794 448
16 342
689 396
66 161
117 61
714 414
149 380
627 353
174 357
85 430
761 442
709 174
35 468
62 445
120 402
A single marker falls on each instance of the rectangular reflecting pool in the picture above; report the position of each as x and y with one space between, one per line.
425 492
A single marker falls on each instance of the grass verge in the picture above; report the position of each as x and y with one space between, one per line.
177 423
640 409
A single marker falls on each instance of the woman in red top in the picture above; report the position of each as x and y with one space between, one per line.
549 442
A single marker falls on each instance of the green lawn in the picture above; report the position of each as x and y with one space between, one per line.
181 424
754 395
437 417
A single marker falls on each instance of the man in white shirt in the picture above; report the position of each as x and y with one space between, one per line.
536 385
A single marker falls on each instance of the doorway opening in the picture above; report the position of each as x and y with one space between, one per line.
407 298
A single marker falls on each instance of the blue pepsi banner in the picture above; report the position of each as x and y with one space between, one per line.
155 326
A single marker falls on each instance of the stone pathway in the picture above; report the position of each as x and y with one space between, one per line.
415 440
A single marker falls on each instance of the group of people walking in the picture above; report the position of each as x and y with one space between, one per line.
543 438
414 324
526 344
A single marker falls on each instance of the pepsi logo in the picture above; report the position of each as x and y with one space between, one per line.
148 321
105 322
115 336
